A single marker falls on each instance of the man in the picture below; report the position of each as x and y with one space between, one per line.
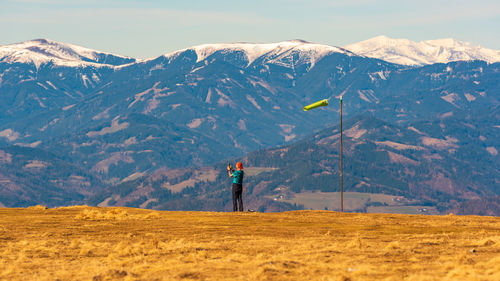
237 185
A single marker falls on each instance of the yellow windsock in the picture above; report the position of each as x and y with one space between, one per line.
316 104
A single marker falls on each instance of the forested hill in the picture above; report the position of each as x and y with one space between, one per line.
427 163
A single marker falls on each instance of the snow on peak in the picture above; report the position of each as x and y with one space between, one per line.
407 52
273 52
40 51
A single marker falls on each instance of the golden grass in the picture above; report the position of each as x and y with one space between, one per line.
87 243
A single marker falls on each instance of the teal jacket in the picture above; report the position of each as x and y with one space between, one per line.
238 176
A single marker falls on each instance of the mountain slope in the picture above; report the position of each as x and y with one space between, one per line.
30 176
220 95
406 52
43 51
134 145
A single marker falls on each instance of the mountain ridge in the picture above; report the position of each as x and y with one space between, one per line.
407 52
42 51
399 51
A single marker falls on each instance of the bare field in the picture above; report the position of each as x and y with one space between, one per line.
331 200
83 243
355 201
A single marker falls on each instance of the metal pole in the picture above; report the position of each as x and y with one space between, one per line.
341 163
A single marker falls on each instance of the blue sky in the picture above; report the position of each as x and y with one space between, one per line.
149 28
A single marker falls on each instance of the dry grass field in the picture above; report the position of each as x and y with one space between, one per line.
83 243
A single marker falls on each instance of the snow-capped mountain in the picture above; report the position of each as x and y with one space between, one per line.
41 51
279 53
407 52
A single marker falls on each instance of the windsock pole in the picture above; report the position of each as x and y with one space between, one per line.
325 103
341 163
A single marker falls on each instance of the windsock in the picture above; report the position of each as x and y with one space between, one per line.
316 104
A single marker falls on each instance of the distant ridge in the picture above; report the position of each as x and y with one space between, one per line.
308 52
39 51
407 52
399 51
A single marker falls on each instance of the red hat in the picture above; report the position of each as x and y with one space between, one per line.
239 166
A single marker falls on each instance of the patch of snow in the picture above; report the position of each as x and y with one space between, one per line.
50 124
252 100
50 84
469 97
381 75
195 123
447 114
235 143
450 98
223 99
95 78
493 151
10 134
198 68
154 102
242 125
363 97
140 96
42 85
85 80
262 84
209 95
104 114
35 97
33 144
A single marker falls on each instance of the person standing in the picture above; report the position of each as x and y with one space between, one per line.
237 185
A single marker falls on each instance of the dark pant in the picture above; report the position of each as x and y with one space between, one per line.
237 197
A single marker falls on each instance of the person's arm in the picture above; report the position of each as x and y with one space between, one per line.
229 169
